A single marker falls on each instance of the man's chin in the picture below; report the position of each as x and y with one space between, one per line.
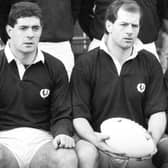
125 47
28 50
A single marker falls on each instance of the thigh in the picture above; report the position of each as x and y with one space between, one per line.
84 147
161 157
140 164
87 154
49 157
7 158
107 161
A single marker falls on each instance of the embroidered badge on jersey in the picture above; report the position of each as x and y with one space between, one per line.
44 93
141 87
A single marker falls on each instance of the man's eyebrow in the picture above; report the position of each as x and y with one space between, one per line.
23 26
124 22
29 26
35 26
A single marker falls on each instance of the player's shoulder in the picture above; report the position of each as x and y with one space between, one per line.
54 66
148 56
51 60
88 58
148 60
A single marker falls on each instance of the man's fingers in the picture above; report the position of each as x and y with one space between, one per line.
63 141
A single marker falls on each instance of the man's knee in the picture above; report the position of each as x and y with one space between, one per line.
86 152
64 158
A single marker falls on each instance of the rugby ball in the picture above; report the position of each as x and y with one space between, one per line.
128 137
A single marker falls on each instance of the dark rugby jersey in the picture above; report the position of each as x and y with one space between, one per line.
40 100
98 92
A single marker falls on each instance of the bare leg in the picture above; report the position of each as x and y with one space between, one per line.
48 157
7 159
87 154
161 157
140 164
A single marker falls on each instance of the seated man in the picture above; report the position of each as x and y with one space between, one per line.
116 80
35 107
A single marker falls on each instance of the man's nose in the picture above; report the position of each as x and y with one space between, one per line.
129 29
30 32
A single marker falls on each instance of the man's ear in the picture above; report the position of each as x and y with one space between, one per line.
109 26
9 30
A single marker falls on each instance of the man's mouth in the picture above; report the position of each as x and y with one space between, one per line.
128 39
28 43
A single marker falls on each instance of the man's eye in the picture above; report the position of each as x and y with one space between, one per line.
124 24
134 26
36 28
23 28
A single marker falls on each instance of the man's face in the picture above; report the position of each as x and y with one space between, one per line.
125 29
25 35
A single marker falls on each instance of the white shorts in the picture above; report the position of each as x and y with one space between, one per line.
62 51
24 142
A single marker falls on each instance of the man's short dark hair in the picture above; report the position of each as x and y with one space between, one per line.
128 5
23 9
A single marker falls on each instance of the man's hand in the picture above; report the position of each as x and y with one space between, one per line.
101 144
63 141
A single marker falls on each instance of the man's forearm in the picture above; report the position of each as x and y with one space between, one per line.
156 125
84 129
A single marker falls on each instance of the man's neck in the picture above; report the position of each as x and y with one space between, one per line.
116 51
24 58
